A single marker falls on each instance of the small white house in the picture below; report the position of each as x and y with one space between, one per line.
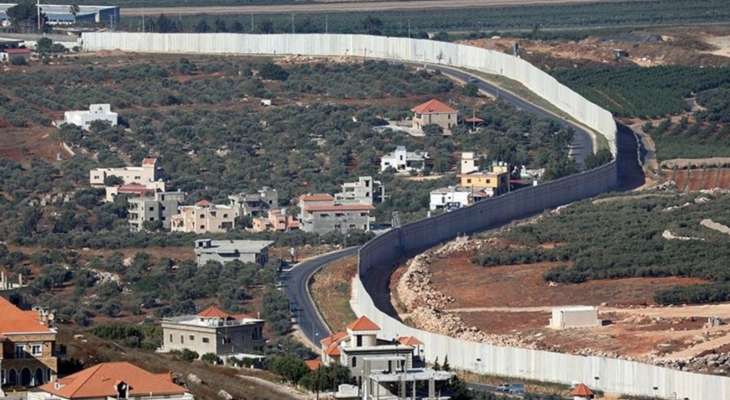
97 112
449 197
574 317
403 160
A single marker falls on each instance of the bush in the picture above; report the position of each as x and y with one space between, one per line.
211 358
188 355
273 72
291 368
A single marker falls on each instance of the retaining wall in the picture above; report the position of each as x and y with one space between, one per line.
379 256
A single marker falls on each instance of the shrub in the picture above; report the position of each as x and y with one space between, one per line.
188 355
211 358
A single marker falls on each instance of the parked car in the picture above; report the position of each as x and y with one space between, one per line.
512 388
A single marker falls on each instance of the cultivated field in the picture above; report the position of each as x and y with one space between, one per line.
340 6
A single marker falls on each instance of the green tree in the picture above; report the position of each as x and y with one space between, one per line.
211 358
291 368
273 72
43 45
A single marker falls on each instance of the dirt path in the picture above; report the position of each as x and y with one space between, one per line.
710 310
350 6
282 389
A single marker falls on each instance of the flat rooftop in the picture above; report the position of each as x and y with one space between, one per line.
197 321
417 374
232 246
62 8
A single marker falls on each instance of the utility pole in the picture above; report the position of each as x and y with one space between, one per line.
38 13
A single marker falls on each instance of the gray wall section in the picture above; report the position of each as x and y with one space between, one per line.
379 256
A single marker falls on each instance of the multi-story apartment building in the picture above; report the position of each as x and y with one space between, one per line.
360 192
254 204
203 217
159 206
277 220
213 331
375 364
436 113
319 213
449 198
28 356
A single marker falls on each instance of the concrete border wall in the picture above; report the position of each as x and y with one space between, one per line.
379 257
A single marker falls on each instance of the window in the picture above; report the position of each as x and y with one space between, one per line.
225 215
19 351
206 340
358 339
354 362
226 340
182 339
191 337
468 181
363 214
213 213
138 177
202 226
202 215
152 209
36 349
324 215
171 338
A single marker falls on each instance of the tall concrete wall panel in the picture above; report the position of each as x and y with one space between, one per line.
412 50
379 257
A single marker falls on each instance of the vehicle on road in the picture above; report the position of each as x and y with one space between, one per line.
512 388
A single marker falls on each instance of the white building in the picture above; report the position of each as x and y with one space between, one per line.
468 163
450 197
403 161
97 112
574 317
143 175
203 217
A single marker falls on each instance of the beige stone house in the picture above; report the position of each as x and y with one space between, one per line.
213 331
203 217
437 113
28 356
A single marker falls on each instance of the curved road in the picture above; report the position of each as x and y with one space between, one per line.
582 140
296 282
296 279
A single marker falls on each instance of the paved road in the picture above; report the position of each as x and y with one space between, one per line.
296 280
582 141
339 6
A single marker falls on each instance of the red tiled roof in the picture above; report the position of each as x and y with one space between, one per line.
203 203
339 207
214 312
409 341
432 106
314 364
474 119
333 338
363 324
17 51
149 161
581 390
134 188
15 320
100 381
316 197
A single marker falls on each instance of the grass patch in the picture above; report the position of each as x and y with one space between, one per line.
330 289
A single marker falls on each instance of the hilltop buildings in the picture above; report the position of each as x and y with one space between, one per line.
96 112
436 113
112 380
136 181
203 217
493 183
63 14
28 356
404 161
213 331
474 185
223 251
380 367
360 192
320 213
276 220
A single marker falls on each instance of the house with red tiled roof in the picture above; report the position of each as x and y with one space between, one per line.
581 392
28 356
214 330
112 380
378 362
435 112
